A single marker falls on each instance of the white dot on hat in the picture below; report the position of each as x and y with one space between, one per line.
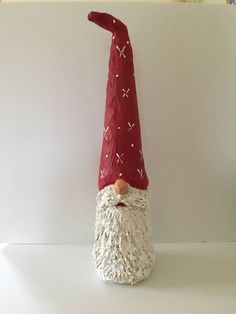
117 75
120 174
113 37
127 42
114 21
106 156
118 127
132 145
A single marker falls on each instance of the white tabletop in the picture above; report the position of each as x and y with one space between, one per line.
188 278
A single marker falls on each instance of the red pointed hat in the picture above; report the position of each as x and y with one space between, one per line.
121 155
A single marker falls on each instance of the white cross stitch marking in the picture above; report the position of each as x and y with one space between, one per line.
132 145
119 158
127 42
141 154
120 174
102 174
130 126
106 155
105 132
114 21
121 51
140 171
117 75
126 92
118 128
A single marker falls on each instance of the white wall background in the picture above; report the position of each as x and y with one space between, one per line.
53 72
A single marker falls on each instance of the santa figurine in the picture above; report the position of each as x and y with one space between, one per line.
123 250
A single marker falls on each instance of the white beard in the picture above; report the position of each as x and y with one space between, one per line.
123 251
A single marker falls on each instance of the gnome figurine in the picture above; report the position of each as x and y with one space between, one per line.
123 251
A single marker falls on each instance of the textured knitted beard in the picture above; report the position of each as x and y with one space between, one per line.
123 250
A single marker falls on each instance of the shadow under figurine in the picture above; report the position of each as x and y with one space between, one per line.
123 250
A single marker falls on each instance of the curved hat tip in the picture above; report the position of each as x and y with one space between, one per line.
90 16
